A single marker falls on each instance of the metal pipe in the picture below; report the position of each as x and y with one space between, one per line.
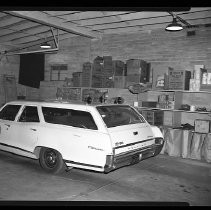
54 37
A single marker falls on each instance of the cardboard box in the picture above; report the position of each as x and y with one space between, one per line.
179 79
202 126
151 104
153 117
119 82
77 79
194 85
132 79
170 105
172 119
197 71
162 98
209 78
118 68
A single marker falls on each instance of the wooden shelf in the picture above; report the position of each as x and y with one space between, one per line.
174 110
184 91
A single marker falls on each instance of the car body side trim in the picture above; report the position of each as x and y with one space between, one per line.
83 164
7 145
137 142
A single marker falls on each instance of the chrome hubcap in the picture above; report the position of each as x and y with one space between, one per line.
50 158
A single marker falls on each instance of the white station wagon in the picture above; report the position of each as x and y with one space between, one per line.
64 135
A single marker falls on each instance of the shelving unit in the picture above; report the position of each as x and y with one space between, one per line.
179 116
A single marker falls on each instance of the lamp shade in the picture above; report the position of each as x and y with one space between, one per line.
45 45
174 26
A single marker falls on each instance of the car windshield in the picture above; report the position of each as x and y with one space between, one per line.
119 115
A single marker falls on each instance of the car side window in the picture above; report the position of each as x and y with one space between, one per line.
75 118
29 114
9 112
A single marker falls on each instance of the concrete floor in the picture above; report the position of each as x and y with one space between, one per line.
158 179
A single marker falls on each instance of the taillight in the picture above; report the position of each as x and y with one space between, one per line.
109 160
159 140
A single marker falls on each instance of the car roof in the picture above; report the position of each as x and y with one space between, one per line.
60 103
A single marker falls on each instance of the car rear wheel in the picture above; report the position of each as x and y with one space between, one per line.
51 161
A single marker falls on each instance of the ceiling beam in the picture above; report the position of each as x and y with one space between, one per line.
33 31
28 44
24 42
123 19
42 18
99 17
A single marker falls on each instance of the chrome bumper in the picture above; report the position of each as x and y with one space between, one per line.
113 162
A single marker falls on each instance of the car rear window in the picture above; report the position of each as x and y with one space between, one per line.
69 117
119 115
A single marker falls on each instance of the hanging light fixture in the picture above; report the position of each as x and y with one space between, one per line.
174 26
45 45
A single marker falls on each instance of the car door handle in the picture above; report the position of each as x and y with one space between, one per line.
7 125
33 129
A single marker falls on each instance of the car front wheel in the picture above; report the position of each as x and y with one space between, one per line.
51 161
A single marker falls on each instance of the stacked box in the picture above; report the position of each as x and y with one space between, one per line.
205 80
132 79
68 82
96 81
179 79
69 93
153 117
97 72
133 66
118 68
150 104
202 126
137 66
125 69
166 82
170 100
98 60
77 79
87 75
145 71
98 66
107 82
172 119
166 101
194 85
107 73
107 62
197 71
209 78
88 92
119 81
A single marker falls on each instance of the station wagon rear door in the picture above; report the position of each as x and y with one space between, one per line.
131 137
127 128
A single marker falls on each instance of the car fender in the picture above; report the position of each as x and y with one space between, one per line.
49 139
157 132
